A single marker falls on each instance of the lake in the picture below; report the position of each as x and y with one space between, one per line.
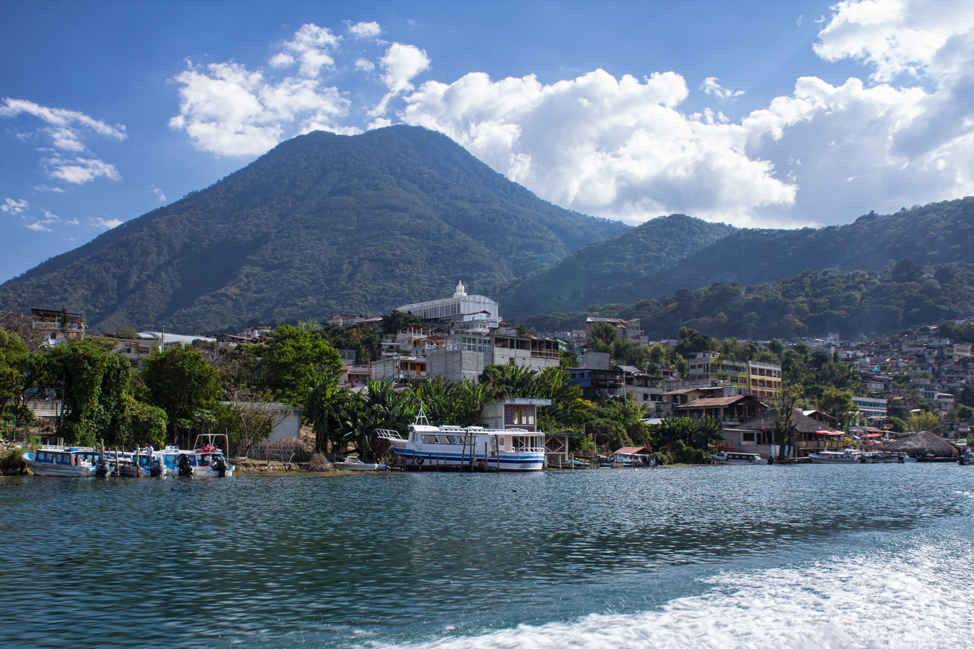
730 556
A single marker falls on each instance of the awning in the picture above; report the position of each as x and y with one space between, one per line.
872 435
832 433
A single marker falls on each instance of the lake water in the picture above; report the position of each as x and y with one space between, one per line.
733 556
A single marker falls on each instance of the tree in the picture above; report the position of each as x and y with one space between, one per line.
784 424
13 365
921 421
839 404
292 360
393 322
143 424
180 382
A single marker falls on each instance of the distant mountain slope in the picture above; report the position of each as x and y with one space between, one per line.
319 225
813 303
931 235
623 260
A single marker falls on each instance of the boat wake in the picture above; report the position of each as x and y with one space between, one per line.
918 596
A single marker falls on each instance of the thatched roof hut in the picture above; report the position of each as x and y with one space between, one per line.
923 443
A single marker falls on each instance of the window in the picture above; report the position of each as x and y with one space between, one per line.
748 437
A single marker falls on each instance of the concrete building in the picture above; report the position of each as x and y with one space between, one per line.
455 308
58 325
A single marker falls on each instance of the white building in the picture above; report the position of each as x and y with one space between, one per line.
455 308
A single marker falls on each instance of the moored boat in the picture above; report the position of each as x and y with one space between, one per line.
353 463
835 457
456 447
71 462
736 457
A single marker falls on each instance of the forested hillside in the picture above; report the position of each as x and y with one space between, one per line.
931 235
319 225
628 258
811 303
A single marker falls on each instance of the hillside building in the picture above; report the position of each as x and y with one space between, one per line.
456 308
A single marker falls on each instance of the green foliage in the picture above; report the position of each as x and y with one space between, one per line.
686 440
142 424
13 365
811 303
929 421
396 320
292 360
180 382
838 403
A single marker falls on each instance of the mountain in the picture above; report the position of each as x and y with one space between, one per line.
626 259
930 235
319 225
813 303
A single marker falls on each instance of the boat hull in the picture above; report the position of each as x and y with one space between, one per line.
456 459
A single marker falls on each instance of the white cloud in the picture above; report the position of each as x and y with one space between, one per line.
365 65
312 46
231 111
79 171
67 130
49 216
897 37
37 227
159 194
711 87
13 206
400 64
105 224
613 147
365 30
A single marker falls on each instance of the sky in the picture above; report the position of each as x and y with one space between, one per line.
757 113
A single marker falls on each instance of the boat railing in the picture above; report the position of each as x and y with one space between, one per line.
388 433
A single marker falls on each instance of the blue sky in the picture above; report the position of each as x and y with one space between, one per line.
760 114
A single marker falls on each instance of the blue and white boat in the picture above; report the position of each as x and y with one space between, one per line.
473 447
71 462
204 460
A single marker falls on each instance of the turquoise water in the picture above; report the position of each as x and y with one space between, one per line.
749 556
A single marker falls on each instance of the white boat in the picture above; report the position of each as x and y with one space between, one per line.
473 447
60 461
204 460
735 457
835 457
353 463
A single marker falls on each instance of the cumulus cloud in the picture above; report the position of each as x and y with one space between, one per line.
365 30
231 111
159 194
601 145
400 64
14 206
66 131
312 47
38 227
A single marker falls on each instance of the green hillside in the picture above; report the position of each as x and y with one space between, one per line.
809 304
931 235
629 258
319 225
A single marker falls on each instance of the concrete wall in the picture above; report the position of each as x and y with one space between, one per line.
454 364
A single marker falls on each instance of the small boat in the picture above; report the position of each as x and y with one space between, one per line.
71 462
455 447
878 457
735 457
204 460
835 457
353 463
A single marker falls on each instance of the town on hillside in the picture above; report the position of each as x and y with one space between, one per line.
852 395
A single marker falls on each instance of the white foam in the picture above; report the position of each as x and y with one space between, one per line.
918 598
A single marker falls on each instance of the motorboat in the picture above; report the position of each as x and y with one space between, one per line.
353 463
50 460
835 457
472 447
736 457
206 459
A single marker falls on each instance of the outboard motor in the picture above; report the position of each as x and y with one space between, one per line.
156 469
220 466
182 463
102 468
